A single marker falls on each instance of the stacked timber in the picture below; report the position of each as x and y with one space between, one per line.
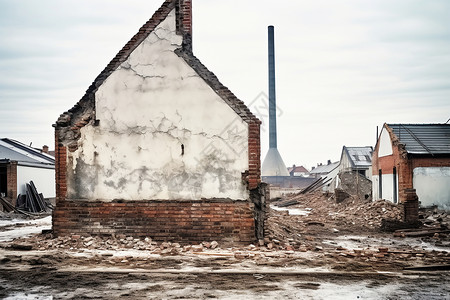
32 201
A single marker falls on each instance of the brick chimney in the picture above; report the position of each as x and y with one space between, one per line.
184 22
45 149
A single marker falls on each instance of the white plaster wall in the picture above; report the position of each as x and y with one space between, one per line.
385 147
345 164
433 186
388 187
375 186
44 180
150 106
333 174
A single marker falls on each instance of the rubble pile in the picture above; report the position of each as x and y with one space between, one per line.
434 218
328 217
332 233
368 214
340 236
323 217
120 242
355 184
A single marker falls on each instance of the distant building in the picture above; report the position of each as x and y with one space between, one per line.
325 174
357 159
20 164
298 171
414 156
325 170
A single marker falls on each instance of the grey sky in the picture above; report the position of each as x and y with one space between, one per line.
342 67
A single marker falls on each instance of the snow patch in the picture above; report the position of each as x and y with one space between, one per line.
27 228
293 211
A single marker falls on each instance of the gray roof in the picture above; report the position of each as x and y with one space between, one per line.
11 150
360 157
324 169
423 138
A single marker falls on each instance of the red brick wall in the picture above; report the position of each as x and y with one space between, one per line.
60 170
186 13
165 220
254 155
11 185
162 220
430 161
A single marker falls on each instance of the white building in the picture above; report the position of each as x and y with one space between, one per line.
20 164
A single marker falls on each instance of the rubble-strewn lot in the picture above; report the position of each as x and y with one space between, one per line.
326 250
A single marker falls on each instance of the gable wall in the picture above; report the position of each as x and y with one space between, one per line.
120 168
148 109
385 144
345 163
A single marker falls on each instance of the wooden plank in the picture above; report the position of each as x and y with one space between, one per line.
429 267
8 206
214 254
37 199
421 233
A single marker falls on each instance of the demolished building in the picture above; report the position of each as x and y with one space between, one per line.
413 156
158 147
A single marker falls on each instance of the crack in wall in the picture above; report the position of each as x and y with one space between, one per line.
146 155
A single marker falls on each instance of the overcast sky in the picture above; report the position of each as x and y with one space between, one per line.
342 67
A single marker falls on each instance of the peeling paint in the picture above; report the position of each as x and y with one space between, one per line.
161 132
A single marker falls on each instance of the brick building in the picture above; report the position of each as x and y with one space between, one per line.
413 156
158 147
20 164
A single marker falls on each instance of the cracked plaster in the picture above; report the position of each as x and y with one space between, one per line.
147 108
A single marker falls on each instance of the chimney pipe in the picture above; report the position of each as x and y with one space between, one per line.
272 97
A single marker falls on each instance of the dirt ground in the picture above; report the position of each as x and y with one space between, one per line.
315 249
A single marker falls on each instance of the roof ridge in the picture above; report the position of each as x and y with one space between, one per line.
28 149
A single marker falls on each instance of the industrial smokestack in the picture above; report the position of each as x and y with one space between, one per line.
272 95
273 164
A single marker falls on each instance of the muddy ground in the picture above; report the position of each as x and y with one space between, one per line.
326 250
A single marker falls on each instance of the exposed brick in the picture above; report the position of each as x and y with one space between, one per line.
11 184
151 219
